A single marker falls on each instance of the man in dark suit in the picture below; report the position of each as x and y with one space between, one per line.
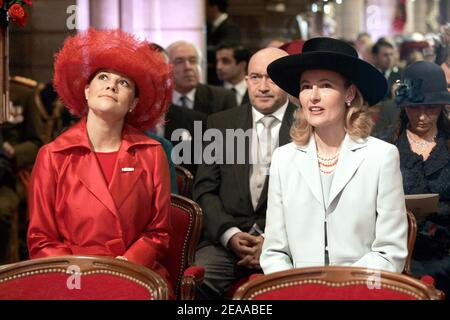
191 101
189 92
233 196
180 125
383 58
231 66
219 29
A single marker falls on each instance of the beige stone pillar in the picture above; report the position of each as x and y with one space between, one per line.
104 14
160 21
379 18
164 22
420 16
349 18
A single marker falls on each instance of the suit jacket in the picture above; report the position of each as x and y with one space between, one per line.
183 118
245 99
210 99
223 190
178 117
395 75
227 31
365 214
74 211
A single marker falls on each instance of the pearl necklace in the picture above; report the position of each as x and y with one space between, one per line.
327 165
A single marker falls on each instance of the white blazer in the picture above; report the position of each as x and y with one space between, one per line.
365 214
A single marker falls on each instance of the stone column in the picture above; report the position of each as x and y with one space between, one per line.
164 22
159 21
104 14
379 17
349 18
420 16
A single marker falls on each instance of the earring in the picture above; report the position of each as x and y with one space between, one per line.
130 110
348 103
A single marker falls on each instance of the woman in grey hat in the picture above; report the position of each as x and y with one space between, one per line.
335 193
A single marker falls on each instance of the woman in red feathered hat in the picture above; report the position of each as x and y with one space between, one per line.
103 187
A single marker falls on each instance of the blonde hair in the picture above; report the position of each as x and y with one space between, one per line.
358 122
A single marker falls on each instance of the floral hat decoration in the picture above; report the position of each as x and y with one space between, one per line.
422 83
14 10
86 53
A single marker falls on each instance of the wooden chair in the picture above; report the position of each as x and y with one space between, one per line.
412 233
186 217
336 283
80 278
51 122
14 246
24 177
185 181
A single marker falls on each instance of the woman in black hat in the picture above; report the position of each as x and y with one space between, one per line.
335 193
423 140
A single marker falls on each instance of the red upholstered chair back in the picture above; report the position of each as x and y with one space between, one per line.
336 283
185 180
80 278
186 217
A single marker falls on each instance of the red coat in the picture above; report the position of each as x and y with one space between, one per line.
74 211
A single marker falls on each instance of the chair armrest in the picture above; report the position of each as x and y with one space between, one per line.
192 277
428 280
196 272
255 275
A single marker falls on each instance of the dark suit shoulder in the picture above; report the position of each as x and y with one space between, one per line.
210 99
227 31
228 118
216 90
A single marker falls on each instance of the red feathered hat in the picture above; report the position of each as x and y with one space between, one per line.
293 47
88 52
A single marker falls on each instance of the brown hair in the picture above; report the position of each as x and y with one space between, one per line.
443 125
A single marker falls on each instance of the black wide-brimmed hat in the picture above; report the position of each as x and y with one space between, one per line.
330 54
422 83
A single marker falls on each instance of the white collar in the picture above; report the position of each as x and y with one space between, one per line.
177 95
219 20
277 114
241 87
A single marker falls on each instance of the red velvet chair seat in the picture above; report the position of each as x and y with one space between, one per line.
93 287
98 278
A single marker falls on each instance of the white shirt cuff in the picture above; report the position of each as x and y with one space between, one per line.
227 235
